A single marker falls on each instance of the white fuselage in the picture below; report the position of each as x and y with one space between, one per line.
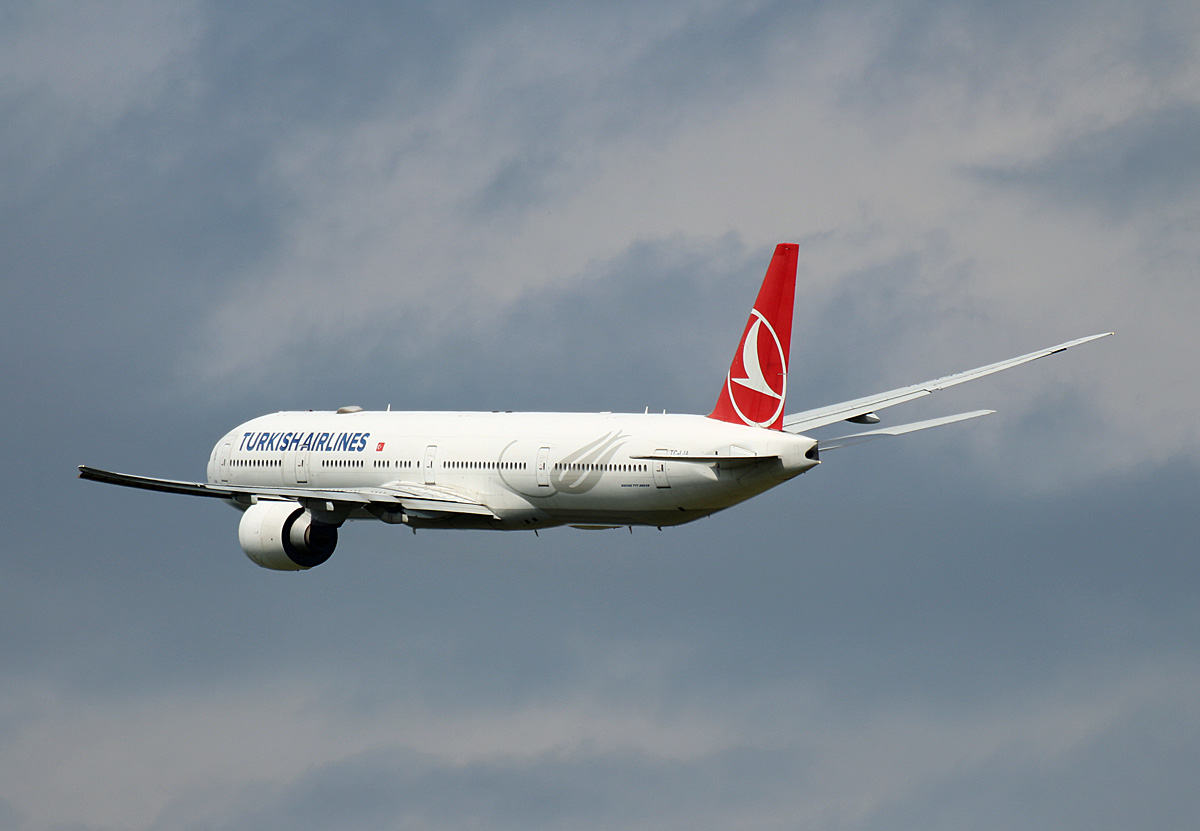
533 470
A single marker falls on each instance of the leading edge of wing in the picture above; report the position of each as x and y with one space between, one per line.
128 480
224 491
406 495
811 419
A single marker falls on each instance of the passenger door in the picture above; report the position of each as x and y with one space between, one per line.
428 464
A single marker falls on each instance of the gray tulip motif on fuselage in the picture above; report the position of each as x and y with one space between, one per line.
580 471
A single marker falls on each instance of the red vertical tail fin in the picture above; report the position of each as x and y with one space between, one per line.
756 384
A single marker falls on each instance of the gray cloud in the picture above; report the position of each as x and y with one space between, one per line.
1143 164
968 627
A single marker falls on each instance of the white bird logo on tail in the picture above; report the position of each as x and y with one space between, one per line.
752 367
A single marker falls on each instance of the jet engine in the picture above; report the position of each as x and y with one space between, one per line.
284 537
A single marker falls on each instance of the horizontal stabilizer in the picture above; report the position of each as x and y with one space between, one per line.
898 430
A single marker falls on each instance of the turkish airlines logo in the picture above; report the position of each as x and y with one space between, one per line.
754 393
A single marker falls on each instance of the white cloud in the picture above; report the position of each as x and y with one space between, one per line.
125 763
82 67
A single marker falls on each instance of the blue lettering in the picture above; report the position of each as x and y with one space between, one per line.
342 441
324 441
362 441
307 443
245 436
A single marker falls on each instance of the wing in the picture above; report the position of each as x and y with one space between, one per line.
811 419
410 496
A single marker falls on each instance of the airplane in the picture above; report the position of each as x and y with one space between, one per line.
297 477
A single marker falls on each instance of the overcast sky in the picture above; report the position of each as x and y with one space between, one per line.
215 210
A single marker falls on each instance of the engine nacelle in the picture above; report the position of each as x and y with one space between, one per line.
283 536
